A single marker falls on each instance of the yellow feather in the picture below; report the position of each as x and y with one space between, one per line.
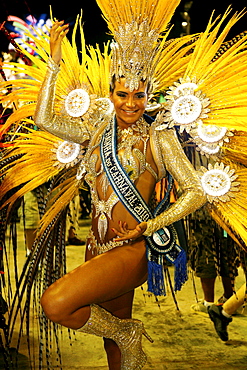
173 60
224 81
18 115
158 13
218 217
231 215
98 67
236 149
67 191
37 164
209 43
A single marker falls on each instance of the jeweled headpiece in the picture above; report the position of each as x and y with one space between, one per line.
133 53
136 26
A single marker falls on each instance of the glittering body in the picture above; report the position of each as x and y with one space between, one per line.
97 296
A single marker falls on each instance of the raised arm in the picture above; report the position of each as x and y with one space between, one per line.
63 126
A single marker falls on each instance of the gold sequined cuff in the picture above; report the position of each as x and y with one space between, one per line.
53 67
189 202
149 230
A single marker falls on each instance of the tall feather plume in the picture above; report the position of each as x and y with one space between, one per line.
138 28
119 12
172 60
223 79
226 45
98 69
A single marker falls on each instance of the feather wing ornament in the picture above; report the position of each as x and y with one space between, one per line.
37 156
209 103
34 158
75 94
157 13
212 92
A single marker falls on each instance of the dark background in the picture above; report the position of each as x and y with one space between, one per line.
95 27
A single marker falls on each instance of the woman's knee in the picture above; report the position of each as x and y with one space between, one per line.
52 306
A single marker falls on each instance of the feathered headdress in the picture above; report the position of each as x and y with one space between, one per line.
140 30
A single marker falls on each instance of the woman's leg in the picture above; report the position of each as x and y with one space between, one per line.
85 299
99 280
120 307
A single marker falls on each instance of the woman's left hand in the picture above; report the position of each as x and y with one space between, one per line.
58 31
125 234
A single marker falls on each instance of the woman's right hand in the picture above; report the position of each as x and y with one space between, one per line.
123 233
58 31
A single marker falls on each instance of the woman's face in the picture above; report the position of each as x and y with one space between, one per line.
129 106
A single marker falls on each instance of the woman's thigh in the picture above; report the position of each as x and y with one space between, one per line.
101 279
120 306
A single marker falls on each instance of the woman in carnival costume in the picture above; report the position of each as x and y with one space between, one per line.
97 296
125 147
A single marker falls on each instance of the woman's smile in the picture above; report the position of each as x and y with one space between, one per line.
129 105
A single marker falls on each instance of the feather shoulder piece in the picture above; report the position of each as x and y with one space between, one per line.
37 156
212 91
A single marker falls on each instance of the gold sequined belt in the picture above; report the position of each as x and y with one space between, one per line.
99 248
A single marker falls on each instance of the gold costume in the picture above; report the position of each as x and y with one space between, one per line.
204 81
166 151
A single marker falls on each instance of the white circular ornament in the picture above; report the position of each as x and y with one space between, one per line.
210 149
186 109
185 85
216 182
77 102
105 104
211 133
67 152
